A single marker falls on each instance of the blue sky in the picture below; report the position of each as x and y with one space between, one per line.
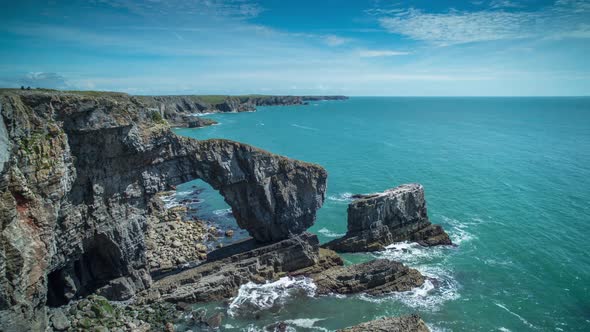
362 47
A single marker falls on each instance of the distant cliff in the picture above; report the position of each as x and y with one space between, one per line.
179 110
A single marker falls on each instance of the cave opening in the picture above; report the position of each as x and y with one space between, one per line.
101 262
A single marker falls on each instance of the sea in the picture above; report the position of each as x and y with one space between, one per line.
507 178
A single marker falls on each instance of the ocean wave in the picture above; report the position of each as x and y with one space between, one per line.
326 232
304 127
524 321
342 197
458 230
412 253
222 212
253 298
438 288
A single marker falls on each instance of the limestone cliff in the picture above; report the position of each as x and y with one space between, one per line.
76 175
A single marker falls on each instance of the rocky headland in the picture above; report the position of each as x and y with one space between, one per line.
378 220
180 111
82 221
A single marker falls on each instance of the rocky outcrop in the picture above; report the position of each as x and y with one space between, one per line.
230 267
412 323
197 122
75 191
378 220
376 277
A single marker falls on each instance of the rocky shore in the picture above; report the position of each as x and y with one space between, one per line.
83 225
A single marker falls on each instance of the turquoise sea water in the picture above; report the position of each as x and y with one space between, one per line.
508 178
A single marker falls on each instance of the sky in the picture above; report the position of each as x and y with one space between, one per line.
348 47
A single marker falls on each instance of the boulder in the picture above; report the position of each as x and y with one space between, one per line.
378 220
412 323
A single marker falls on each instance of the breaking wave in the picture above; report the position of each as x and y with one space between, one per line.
328 233
439 288
343 197
253 297
222 212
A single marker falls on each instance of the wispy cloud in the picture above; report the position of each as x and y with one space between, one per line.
333 40
380 53
565 19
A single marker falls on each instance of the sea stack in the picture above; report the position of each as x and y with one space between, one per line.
395 215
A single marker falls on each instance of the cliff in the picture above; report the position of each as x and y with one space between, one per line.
180 110
77 172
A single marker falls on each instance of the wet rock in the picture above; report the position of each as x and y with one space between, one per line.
59 321
169 327
412 323
214 321
376 277
378 220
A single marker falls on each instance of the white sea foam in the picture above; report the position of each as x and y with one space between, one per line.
342 197
524 321
256 297
304 127
412 253
439 288
458 230
306 323
201 114
222 212
503 329
326 232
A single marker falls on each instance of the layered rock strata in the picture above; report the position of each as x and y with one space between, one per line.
228 268
377 277
233 266
412 323
76 180
378 220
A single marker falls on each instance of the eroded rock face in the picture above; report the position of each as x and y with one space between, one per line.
75 188
378 220
376 277
412 323
230 267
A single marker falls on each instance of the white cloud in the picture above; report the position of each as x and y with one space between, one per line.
565 19
333 40
380 53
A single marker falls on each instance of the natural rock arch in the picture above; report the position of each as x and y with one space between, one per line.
83 168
